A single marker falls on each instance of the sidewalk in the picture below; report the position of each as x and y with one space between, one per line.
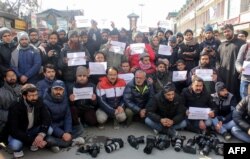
126 152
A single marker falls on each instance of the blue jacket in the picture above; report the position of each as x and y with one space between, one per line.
136 100
26 62
42 85
60 114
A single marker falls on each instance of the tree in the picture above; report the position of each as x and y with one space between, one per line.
17 7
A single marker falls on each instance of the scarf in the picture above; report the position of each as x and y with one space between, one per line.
144 66
191 42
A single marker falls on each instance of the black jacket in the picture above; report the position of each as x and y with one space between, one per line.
162 108
18 120
5 56
241 115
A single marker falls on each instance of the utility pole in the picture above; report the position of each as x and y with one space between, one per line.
141 5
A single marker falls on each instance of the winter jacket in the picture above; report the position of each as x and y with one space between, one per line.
113 59
18 120
162 108
241 115
53 59
83 104
42 85
8 95
26 62
135 58
60 114
69 71
191 60
224 107
110 96
135 99
161 79
196 100
244 55
5 56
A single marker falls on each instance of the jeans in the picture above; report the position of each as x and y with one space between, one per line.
159 127
240 134
244 88
193 125
225 127
17 145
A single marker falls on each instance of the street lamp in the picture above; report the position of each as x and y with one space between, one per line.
141 5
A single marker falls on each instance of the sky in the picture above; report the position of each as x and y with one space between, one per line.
117 10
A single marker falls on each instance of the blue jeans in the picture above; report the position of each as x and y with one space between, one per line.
17 145
225 127
240 134
159 127
195 123
244 88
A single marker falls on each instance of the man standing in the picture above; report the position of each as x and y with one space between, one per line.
7 45
28 121
110 93
167 112
137 96
9 93
26 60
225 61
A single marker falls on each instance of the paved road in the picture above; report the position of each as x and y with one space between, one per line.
127 152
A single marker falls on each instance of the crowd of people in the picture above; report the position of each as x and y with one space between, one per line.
39 107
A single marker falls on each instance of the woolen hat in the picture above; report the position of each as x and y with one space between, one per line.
172 39
21 35
4 30
219 86
208 28
81 70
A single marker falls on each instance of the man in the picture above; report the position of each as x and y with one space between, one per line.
56 101
110 98
85 108
137 96
9 93
205 64
161 77
34 37
196 96
179 38
62 37
224 104
211 43
28 121
26 60
7 45
49 73
112 58
241 116
225 61
242 35
167 112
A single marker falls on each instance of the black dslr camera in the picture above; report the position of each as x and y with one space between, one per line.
113 144
190 147
163 142
135 141
93 150
151 141
177 142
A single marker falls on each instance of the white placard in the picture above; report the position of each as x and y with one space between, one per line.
179 76
83 93
76 58
117 47
97 68
197 113
246 66
137 48
143 28
165 50
82 22
126 76
205 74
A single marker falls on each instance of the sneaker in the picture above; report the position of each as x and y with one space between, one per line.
78 141
116 125
101 126
18 154
2 146
33 148
55 149
227 136
156 132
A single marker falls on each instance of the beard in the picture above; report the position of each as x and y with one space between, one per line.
32 102
205 65
57 97
160 75
11 82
